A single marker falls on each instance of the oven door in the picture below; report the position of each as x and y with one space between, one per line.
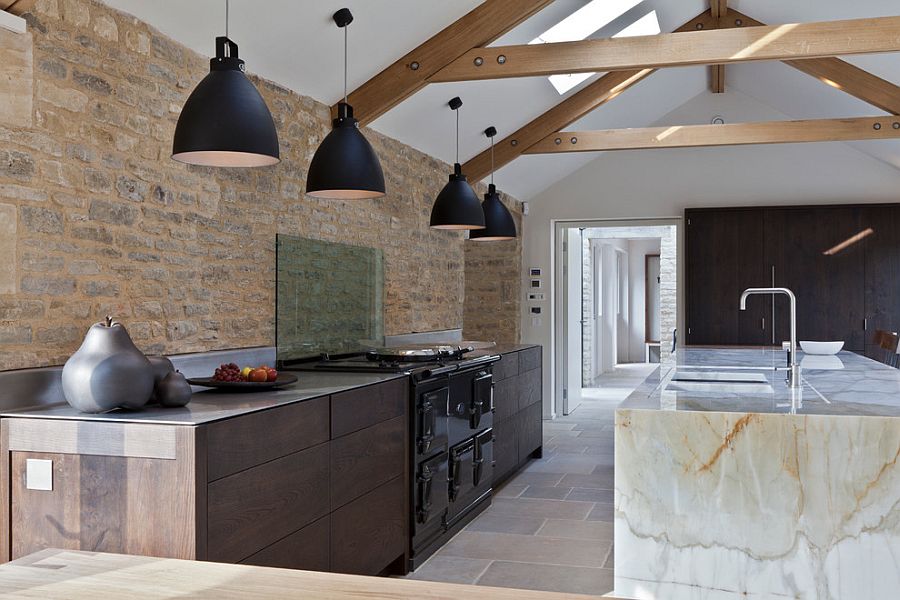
471 404
431 420
471 472
430 498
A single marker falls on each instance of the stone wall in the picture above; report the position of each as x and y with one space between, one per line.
96 219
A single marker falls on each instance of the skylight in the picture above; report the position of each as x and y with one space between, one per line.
588 19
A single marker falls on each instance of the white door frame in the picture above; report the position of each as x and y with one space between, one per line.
557 291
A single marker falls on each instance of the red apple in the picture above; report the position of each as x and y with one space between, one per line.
258 376
272 374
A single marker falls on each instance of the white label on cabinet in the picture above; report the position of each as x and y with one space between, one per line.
39 474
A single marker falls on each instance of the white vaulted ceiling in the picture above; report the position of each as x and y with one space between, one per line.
295 43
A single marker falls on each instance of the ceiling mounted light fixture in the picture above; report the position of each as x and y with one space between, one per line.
457 207
225 122
498 221
345 165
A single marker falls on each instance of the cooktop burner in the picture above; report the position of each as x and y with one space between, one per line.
414 354
418 360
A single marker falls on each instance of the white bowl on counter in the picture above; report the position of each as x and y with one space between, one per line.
821 348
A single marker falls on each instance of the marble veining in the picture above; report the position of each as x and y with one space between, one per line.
733 503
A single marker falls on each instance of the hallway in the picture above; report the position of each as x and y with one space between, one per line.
550 526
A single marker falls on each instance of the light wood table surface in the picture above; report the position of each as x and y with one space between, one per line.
72 575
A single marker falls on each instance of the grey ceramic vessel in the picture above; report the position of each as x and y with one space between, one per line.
174 390
107 371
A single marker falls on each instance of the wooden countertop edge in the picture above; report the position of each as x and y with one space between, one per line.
75 575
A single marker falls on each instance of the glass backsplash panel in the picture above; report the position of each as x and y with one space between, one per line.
330 297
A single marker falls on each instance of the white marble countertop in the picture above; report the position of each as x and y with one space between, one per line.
209 406
753 381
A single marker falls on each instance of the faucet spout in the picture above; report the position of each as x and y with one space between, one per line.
794 373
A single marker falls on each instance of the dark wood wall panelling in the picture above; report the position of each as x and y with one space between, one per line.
518 416
845 294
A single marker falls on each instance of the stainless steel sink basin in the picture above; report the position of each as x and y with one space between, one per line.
719 382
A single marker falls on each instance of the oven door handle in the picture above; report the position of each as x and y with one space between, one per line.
475 409
455 477
426 413
424 481
477 462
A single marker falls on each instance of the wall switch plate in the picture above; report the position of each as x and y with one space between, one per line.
535 310
535 321
39 474
538 297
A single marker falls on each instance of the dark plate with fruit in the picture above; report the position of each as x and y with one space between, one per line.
232 378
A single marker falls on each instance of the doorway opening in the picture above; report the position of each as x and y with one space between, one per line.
617 307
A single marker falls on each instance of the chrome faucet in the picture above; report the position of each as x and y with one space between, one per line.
793 377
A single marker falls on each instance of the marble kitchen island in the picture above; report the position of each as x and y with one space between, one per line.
731 485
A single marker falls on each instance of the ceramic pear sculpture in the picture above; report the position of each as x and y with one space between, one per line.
162 366
173 391
107 371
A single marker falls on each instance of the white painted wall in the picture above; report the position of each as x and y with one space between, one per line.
662 183
637 250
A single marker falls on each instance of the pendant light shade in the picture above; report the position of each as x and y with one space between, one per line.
457 206
225 122
345 165
499 223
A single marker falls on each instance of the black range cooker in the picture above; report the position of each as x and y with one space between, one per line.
451 435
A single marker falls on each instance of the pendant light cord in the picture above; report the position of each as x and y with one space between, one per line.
492 160
227 3
345 63
457 134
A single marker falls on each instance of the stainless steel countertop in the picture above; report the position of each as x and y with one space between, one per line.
209 406
844 384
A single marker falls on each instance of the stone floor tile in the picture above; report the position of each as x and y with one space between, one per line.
578 530
451 569
527 548
550 578
548 492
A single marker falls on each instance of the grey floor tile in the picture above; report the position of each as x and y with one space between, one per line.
527 548
493 522
550 578
602 512
510 490
544 491
526 478
592 495
605 471
610 560
451 569
603 482
541 508
577 530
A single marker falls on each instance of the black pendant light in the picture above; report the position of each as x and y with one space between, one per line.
345 165
457 207
225 122
499 223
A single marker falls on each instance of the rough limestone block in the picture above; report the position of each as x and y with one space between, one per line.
7 249
16 78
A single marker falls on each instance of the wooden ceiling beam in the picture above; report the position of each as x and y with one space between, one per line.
718 9
481 26
730 134
724 46
835 72
566 112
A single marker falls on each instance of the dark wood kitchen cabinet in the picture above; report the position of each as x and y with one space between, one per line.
319 485
518 415
842 263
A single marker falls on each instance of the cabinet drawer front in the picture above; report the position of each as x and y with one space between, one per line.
529 359
530 430
506 448
529 391
243 442
507 366
366 459
506 402
253 509
361 408
368 534
307 549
